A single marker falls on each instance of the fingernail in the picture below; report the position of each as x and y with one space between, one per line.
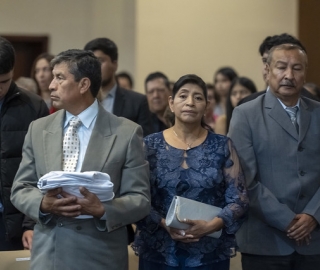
184 219
183 233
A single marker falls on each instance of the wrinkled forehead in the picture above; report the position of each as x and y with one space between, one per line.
293 56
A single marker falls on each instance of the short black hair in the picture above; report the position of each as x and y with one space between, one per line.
82 64
157 75
125 75
7 56
107 46
276 40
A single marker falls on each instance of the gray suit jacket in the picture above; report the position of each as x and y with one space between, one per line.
115 147
282 172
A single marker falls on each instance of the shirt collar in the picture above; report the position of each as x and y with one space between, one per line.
284 106
111 93
85 116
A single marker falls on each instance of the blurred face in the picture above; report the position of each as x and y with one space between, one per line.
43 74
108 67
286 74
65 91
211 101
124 83
157 94
189 104
264 62
5 81
238 92
222 85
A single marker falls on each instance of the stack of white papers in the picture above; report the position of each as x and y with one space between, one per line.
96 182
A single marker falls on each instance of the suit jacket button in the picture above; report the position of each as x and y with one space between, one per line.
300 148
302 173
60 224
301 196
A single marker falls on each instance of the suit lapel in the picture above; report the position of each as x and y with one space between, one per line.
52 139
100 143
305 118
119 101
278 114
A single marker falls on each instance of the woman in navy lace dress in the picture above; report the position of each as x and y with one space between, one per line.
189 161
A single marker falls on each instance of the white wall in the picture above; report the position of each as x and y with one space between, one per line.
188 36
173 36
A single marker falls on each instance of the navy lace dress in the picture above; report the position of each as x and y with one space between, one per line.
211 174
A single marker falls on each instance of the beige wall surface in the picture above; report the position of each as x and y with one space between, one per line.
199 36
173 36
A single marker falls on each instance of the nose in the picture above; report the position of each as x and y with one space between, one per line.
289 73
52 85
190 100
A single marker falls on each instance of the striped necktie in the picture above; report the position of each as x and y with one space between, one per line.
292 112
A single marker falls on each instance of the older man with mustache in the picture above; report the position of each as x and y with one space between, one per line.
277 139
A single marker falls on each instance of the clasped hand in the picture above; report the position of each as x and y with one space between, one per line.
60 203
197 229
301 227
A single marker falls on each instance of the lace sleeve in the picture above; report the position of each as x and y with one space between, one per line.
236 198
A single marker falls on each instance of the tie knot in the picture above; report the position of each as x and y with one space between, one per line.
292 111
75 122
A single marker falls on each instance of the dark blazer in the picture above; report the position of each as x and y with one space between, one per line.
304 93
282 173
133 106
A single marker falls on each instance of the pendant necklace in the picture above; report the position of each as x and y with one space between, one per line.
188 144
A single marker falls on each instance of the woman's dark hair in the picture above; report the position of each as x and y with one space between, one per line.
227 72
45 56
243 81
193 79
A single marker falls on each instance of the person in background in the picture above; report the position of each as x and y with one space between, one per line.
157 89
240 88
18 108
27 84
115 99
124 80
264 49
222 81
65 239
313 89
189 161
41 72
277 139
209 117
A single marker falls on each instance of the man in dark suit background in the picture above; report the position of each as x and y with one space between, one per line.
277 139
114 99
264 49
18 108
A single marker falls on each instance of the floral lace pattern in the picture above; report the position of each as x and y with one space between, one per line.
213 176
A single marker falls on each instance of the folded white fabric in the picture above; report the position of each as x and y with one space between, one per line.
96 182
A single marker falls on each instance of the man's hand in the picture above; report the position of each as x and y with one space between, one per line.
90 204
66 205
27 239
301 227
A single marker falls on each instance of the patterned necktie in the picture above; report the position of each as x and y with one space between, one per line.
292 112
71 146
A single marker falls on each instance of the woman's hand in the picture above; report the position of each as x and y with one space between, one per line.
200 228
178 235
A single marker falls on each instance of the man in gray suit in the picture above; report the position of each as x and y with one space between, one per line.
63 239
280 156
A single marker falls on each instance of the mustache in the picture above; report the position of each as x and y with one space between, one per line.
287 83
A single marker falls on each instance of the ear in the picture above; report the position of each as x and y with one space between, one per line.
268 70
84 85
115 65
170 99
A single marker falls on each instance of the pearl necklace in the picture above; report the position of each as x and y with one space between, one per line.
188 144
